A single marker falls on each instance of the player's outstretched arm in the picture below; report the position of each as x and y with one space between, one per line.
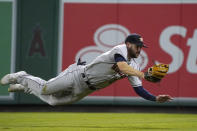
148 96
126 69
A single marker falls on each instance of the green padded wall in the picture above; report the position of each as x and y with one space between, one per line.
6 47
37 40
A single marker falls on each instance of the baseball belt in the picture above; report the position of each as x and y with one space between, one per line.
88 83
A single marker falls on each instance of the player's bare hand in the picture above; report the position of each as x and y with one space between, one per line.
163 98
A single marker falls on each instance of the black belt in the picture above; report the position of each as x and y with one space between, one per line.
88 83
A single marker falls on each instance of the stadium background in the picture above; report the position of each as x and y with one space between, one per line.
43 37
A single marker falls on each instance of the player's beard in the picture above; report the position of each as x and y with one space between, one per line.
132 53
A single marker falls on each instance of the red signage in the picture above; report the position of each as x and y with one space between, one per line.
170 31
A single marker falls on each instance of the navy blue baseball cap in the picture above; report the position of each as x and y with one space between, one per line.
135 39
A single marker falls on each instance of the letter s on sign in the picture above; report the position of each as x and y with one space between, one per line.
174 51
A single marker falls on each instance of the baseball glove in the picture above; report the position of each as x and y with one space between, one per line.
156 72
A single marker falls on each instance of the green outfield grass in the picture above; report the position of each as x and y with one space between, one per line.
52 121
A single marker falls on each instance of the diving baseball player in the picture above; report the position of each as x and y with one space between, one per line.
79 80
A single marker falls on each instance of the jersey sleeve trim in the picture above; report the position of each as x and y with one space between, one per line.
119 58
136 85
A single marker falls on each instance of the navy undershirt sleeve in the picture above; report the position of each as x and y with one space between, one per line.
118 58
144 93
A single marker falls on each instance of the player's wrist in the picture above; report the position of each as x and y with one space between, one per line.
157 99
141 75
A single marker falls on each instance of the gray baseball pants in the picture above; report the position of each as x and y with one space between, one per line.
68 87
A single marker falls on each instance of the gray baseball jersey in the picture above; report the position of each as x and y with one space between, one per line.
100 72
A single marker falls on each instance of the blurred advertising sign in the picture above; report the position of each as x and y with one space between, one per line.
169 28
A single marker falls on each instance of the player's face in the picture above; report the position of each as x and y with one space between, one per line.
133 50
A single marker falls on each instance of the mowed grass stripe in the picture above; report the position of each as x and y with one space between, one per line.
96 121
